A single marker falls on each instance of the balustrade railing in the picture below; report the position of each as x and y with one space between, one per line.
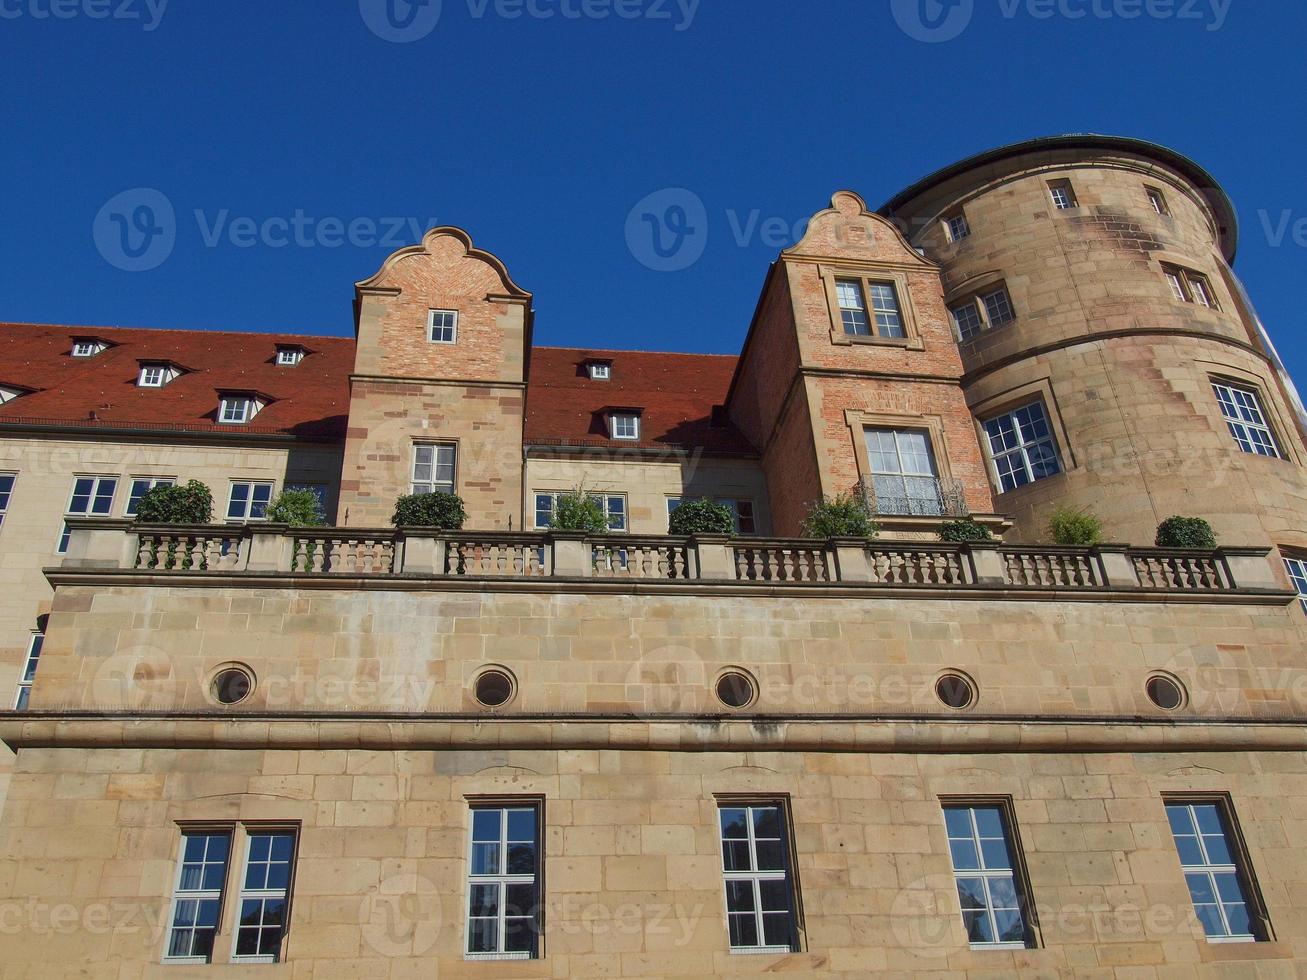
99 544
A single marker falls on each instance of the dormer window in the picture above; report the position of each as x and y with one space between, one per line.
599 370
157 374
624 425
238 409
88 346
9 392
288 355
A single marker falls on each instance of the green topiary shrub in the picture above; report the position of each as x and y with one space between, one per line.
439 510
574 511
1185 532
839 517
1070 526
964 530
701 517
298 508
190 503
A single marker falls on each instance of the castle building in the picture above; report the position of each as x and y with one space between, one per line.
248 749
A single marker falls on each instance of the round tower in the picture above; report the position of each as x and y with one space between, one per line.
1113 361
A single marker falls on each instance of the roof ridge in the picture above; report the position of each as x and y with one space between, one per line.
611 350
254 332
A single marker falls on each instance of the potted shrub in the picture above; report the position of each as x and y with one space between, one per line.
298 508
964 530
839 517
1073 527
1185 532
701 517
444 511
190 503
574 511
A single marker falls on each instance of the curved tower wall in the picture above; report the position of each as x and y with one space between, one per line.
1124 367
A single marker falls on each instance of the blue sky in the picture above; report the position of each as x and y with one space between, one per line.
540 134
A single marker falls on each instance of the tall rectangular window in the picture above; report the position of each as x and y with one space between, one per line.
885 303
1064 196
140 487
433 468
24 694
903 472
264 896
1243 414
759 887
1158 201
503 904
1214 869
998 307
613 504
990 887
7 481
1022 447
249 501
1297 569
443 326
92 497
1201 287
197 896
958 227
853 308
1175 278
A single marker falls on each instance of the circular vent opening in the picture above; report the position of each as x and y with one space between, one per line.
735 690
955 691
1166 693
494 688
232 686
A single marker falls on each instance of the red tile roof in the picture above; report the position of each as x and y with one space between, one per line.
675 393
310 400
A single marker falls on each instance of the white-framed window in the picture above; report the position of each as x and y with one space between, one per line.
263 905
903 472
1201 287
983 311
1175 279
885 303
248 500
990 889
1188 286
1297 569
625 425
152 376
1157 200
1022 446
142 485
742 512
25 679
8 393
853 307
1217 877
1242 410
7 481
958 227
503 896
434 467
599 370
613 504
193 919
759 888
289 356
1063 194
236 409
92 496
88 347
442 326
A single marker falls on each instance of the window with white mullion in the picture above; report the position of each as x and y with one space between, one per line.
613 504
24 693
903 472
853 307
985 873
1212 870
1022 447
967 319
7 481
759 893
885 303
443 326
503 902
998 307
197 896
433 468
92 496
958 227
1243 414
263 902
140 487
1297 568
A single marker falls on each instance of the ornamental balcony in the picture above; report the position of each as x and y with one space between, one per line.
913 496
406 558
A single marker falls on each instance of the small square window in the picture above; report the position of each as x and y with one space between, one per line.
92 497
1158 201
289 356
998 307
434 467
152 376
249 501
966 317
600 371
625 426
1064 196
88 347
958 227
236 410
443 326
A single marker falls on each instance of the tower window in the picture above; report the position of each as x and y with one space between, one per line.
958 227
983 311
1158 201
1063 194
1297 569
1022 447
1243 414
1188 286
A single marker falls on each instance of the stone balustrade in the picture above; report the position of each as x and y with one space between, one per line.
263 549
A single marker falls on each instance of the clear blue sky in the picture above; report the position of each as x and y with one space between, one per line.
540 135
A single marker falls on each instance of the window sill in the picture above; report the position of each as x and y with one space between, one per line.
842 339
472 957
761 950
1000 947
